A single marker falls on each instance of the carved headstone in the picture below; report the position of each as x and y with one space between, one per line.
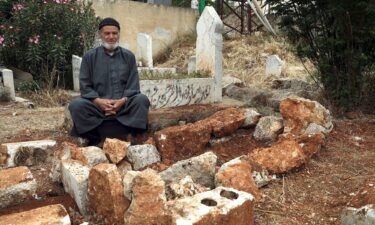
210 46
76 64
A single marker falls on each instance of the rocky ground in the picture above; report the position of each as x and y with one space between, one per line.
313 194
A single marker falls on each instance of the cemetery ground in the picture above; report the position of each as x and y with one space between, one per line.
314 194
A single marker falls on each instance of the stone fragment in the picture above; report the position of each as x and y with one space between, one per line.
221 206
16 185
184 188
268 129
74 176
299 113
229 80
274 66
115 149
148 200
358 216
238 176
123 167
181 142
251 117
105 194
225 122
128 183
88 156
143 155
26 153
46 215
281 157
310 144
200 168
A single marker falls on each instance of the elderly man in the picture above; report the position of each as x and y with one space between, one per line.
111 104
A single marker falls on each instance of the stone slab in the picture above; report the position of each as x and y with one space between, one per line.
274 66
76 65
221 206
16 185
47 215
26 153
9 82
144 49
74 176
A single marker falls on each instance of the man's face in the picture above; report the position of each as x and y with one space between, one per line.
110 36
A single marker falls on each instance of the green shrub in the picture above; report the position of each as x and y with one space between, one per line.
40 36
338 36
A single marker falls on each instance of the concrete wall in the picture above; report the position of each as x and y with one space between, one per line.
163 23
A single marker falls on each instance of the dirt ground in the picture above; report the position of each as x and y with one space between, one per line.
313 194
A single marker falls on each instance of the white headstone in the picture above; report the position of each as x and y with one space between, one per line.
9 82
192 65
76 64
194 4
144 49
274 66
210 46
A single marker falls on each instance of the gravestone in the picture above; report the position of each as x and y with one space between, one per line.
192 65
274 66
76 64
144 49
209 47
8 82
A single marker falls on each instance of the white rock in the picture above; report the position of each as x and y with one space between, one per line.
228 80
274 66
361 216
128 183
143 155
94 155
200 168
268 128
26 153
75 176
252 117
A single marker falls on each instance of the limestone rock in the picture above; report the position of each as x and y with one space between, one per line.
229 80
358 216
311 144
123 167
68 121
238 176
148 200
143 155
46 215
115 149
128 183
105 194
225 122
26 153
88 156
274 66
184 188
299 113
200 168
281 157
16 185
268 129
74 176
251 117
181 142
221 206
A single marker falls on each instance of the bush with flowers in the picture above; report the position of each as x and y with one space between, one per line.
40 36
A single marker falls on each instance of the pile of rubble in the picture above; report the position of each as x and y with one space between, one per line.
115 182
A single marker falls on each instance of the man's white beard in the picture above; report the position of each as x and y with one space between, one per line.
110 47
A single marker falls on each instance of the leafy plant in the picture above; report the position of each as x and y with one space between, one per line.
40 36
338 36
